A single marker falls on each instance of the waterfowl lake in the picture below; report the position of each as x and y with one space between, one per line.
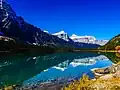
27 69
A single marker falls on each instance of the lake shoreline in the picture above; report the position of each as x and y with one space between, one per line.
57 83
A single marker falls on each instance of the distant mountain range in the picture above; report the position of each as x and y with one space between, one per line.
14 27
80 39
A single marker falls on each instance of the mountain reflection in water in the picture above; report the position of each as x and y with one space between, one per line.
29 69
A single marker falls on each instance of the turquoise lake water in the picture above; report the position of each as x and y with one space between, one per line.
30 69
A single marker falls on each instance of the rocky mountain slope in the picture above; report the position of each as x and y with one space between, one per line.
15 27
112 44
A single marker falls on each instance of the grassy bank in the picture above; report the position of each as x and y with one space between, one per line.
94 84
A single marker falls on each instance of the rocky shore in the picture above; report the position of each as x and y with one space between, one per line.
107 78
108 72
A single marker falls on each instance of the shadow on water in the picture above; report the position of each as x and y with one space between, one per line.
17 68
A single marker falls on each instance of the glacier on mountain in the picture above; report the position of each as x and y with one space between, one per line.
88 39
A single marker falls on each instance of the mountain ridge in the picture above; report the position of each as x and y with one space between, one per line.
15 27
112 43
79 39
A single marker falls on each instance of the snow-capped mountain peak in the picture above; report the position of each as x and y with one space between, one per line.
61 32
62 35
45 31
87 39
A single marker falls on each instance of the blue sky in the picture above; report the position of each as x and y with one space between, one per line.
99 18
